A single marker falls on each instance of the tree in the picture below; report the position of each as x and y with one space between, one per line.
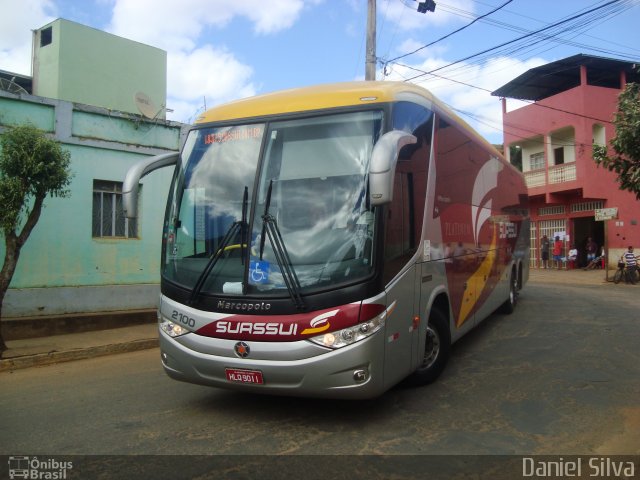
626 144
32 166
515 155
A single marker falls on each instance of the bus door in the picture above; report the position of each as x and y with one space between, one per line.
402 277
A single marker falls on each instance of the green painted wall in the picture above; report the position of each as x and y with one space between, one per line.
61 251
89 66
17 112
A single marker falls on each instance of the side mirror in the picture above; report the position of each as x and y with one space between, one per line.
383 165
135 173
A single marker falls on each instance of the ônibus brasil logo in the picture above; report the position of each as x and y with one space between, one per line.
35 468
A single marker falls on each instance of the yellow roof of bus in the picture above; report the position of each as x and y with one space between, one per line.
327 96
313 98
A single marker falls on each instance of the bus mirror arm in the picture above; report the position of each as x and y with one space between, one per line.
383 165
135 173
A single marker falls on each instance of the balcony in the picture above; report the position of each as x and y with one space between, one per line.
535 178
562 173
557 174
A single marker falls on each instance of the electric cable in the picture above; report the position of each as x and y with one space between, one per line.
452 33
612 2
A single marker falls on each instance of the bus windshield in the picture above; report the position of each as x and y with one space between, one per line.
311 187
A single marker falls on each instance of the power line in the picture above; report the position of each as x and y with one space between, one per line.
490 91
549 107
480 118
612 10
551 35
519 38
452 33
516 28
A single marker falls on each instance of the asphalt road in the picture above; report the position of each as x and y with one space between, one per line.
559 376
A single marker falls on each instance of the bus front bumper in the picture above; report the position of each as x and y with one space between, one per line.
302 368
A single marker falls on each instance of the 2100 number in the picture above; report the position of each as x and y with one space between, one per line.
184 319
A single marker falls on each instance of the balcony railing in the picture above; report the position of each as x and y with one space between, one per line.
535 178
557 174
562 173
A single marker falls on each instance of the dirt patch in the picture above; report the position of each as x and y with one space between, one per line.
626 442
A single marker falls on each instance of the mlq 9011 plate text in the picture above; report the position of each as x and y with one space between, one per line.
244 376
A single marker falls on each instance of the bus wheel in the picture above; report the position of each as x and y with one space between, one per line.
510 303
436 351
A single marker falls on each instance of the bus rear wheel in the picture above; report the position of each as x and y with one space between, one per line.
509 306
436 351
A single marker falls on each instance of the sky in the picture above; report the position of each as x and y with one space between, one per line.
222 50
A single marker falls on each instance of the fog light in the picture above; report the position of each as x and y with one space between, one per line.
360 375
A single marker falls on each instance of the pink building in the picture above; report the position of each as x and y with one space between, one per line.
574 102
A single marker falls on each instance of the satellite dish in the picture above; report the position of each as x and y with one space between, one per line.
11 86
145 105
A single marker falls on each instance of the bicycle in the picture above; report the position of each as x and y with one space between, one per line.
630 276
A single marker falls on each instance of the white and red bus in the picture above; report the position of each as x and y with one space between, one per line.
332 241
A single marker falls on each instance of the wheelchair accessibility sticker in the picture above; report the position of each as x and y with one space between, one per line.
259 272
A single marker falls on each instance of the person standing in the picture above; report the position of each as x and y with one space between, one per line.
557 252
572 257
631 261
591 248
545 245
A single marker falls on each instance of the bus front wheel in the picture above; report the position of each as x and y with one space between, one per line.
436 351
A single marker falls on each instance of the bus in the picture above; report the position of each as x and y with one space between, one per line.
332 241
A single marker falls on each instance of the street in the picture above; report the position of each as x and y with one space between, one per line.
559 376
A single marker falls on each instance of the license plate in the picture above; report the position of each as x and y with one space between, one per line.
244 376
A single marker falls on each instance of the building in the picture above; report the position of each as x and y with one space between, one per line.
96 94
573 104
80 64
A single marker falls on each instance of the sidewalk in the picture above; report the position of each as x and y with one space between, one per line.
32 352
571 277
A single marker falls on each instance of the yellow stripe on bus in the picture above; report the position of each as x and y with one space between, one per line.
477 281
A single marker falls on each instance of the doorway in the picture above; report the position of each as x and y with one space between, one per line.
584 228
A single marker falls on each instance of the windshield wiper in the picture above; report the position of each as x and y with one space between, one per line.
240 226
270 227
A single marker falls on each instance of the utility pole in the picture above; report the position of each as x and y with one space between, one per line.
370 62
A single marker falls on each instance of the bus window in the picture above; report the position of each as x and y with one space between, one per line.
318 172
218 164
406 211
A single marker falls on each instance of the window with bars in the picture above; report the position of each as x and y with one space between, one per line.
553 210
587 206
536 161
108 217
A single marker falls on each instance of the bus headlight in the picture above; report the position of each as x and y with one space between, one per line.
172 329
351 335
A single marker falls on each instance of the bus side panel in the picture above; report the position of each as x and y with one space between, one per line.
399 331
508 216
476 208
455 172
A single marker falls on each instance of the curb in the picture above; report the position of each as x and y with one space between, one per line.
40 359
137 334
